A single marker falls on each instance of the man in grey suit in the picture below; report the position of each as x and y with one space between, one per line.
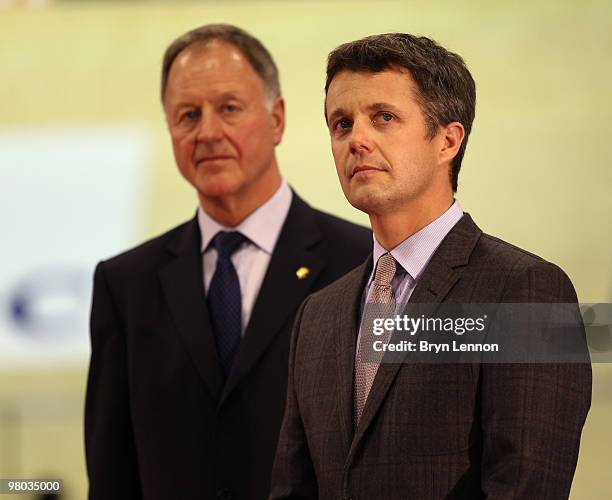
399 110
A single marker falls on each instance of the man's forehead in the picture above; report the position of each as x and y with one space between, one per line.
347 80
201 58
211 69
367 88
209 56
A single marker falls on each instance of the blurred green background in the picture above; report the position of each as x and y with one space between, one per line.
536 171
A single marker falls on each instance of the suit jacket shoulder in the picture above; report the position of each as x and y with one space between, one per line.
526 277
499 271
149 254
342 244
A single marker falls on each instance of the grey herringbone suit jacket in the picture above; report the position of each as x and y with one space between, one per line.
432 431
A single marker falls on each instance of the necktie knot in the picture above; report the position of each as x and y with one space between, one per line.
227 242
385 270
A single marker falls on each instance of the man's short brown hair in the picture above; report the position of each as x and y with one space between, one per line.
446 89
257 55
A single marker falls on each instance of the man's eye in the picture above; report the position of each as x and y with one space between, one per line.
230 108
386 117
193 114
343 124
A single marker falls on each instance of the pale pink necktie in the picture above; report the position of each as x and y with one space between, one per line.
380 302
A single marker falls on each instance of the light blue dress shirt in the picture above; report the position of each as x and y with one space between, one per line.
412 256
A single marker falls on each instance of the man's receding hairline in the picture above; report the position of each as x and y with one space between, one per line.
200 46
203 45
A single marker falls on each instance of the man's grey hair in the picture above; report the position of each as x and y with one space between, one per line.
257 55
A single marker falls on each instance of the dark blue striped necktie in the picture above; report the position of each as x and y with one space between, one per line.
224 299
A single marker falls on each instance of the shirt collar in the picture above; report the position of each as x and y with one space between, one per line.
262 227
415 252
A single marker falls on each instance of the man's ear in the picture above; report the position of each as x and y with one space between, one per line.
277 114
452 135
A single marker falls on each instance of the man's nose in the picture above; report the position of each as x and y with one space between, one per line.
210 128
360 140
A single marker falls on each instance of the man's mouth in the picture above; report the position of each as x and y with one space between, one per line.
214 158
363 169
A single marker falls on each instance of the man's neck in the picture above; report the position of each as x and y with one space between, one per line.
393 227
229 211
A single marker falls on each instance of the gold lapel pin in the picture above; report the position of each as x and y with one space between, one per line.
302 273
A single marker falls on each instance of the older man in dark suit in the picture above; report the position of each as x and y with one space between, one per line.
399 110
190 331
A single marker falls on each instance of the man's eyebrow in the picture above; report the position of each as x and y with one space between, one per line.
192 100
178 108
229 94
183 104
335 114
379 106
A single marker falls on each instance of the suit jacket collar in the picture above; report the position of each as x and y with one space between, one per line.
439 277
279 297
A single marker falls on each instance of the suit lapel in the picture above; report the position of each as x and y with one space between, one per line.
281 291
434 285
183 287
347 322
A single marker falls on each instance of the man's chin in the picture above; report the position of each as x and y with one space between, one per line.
368 201
217 188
